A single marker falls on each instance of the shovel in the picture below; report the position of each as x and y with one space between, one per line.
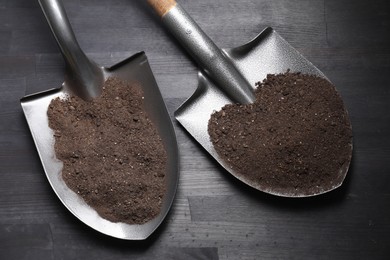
228 76
84 78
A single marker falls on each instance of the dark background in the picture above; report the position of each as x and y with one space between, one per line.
213 216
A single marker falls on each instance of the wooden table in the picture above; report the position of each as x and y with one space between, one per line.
213 216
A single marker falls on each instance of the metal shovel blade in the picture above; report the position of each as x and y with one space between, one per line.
83 78
268 53
229 77
133 69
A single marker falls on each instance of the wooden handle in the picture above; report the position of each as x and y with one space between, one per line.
161 6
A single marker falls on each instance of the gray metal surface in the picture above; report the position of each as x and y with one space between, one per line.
267 53
83 77
134 69
210 58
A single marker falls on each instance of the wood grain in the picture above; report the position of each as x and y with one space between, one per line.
161 7
213 216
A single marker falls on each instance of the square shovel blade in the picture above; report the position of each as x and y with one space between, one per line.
268 53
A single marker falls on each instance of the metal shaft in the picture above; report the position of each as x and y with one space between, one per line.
83 78
209 57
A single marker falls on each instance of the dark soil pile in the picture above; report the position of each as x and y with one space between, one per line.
293 139
112 154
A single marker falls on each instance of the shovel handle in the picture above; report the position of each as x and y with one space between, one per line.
213 61
162 6
83 78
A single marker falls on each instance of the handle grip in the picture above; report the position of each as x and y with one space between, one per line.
162 6
83 78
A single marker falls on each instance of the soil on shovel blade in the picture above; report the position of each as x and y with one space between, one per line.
112 154
293 139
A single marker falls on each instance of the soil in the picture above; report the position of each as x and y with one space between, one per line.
112 154
292 140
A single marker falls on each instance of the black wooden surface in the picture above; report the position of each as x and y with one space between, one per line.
213 216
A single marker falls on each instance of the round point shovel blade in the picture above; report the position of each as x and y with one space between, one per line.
133 69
